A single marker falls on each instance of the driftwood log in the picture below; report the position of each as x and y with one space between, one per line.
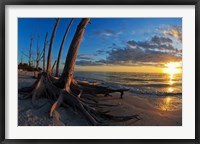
97 88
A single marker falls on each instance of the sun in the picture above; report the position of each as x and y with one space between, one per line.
172 68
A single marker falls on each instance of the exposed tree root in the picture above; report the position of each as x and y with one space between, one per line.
91 109
43 87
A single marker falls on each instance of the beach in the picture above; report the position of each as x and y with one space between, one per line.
152 111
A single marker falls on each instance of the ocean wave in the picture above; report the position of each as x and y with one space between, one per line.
154 93
137 89
161 85
149 80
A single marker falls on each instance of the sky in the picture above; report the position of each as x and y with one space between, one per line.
109 44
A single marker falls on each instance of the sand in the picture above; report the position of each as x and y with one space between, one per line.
153 111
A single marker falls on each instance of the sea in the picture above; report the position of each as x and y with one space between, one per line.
149 84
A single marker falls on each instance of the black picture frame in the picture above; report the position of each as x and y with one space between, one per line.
3 4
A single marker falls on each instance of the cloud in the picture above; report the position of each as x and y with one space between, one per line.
159 40
107 33
155 43
129 56
132 57
138 44
173 31
157 50
85 57
88 63
99 51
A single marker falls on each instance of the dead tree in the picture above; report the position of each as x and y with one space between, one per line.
49 68
34 61
61 48
22 57
69 95
67 91
44 52
38 55
30 52
54 65
68 71
24 54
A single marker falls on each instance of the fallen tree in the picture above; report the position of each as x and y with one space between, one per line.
67 91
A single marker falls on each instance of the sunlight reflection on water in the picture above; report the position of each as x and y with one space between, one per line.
168 103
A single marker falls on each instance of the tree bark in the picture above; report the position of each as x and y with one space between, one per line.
61 48
49 68
53 65
68 70
44 52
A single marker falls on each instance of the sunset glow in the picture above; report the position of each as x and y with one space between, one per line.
141 45
79 68
172 68
146 69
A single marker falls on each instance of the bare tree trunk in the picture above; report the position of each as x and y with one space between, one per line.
49 68
30 51
34 69
68 70
44 52
22 57
61 48
38 55
37 64
53 65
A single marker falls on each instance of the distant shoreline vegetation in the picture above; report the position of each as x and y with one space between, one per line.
26 67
